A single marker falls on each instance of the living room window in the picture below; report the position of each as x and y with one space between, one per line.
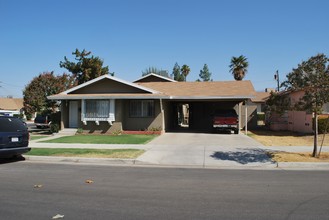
141 108
98 110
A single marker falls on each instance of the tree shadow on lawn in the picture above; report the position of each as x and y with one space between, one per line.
244 156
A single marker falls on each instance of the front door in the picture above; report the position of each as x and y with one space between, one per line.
73 114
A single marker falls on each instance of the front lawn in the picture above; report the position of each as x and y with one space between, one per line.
95 153
103 139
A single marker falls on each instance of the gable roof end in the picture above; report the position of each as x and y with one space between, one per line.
111 78
155 75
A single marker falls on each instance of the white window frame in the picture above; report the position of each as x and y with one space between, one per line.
109 118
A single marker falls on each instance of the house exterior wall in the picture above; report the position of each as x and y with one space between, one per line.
142 123
297 121
251 116
64 114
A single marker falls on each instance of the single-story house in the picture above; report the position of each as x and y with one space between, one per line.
293 120
11 106
108 104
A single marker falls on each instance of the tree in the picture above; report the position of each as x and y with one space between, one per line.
86 67
238 67
176 73
205 74
185 70
36 92
311 77
155 70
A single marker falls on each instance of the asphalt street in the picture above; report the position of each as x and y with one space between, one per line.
31 190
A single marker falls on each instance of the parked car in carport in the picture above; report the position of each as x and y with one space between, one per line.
14 137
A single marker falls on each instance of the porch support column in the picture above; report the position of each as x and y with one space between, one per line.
162 116
246 117
240 118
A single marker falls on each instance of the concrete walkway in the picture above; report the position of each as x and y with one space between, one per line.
192 150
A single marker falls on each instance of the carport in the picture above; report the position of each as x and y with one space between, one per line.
195 115
189 106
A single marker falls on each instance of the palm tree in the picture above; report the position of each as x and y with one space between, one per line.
185 71
238 67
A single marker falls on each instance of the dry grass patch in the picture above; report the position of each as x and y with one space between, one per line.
286 138
94 153
298 157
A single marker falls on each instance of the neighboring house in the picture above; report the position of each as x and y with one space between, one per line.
259 100
298 121
108 104
256 106
152 77
11 106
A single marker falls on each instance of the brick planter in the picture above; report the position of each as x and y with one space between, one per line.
142 132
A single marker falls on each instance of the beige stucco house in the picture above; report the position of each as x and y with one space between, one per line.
11 106
108 104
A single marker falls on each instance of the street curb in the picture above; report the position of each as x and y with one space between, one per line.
303 165
131 162
108 161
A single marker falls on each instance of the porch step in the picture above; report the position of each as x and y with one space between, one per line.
68 131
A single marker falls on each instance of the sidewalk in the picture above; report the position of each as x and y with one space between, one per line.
188 156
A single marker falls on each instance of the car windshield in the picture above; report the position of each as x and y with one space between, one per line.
226 113
11 124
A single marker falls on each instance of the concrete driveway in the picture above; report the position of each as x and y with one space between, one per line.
205 150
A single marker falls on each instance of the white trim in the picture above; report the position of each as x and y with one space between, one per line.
111 78
156 75
164 97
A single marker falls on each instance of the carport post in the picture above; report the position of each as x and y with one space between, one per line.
239 110
246 118
162 116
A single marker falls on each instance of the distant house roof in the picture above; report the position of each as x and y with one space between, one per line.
11 103
260 96
152 77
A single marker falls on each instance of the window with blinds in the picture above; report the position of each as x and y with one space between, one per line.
98 110
141 108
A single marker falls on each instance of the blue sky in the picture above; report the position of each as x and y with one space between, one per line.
132 35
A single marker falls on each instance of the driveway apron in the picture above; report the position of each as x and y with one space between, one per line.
205 150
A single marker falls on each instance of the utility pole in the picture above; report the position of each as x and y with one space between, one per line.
276 77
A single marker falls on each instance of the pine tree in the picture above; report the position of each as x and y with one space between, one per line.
205 74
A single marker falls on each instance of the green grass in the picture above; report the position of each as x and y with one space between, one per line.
95 153
103 139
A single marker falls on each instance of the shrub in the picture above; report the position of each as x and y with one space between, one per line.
54 128
322 124
80 131
260 117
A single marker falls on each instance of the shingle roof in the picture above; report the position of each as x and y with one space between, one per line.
260 96
11 103
238 90
203 89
